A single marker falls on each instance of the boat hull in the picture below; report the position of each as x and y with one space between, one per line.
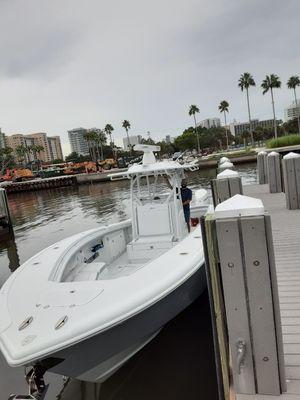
97 357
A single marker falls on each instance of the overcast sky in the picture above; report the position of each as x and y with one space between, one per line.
71 63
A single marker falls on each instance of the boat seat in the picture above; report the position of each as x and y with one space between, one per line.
89 272
149 247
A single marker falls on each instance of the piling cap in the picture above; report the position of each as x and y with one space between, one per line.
223 160
263 153
225 165
228 173
273 153
239 206
291 155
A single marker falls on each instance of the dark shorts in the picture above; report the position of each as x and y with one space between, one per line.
187 214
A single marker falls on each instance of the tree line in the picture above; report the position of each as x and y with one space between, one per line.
245 82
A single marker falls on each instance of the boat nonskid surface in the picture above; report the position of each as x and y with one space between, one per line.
101 304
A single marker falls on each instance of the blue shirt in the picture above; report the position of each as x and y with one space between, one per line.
186 194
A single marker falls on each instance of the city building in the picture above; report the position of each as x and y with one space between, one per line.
237 128
77 141
40 139
15 141
292 111
210 123
133 140
55 148
169 139
51 145
2 140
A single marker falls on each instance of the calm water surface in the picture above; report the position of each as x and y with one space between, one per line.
178 363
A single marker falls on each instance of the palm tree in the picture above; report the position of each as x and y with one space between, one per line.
292 83
22 151
35 150
108 130
126 125
246 80
6 158
89 137
192 112
223 108
269 83
100 140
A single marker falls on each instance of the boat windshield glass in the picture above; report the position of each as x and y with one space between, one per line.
151 189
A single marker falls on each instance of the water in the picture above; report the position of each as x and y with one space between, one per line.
178 363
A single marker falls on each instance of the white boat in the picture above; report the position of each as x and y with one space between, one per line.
85 305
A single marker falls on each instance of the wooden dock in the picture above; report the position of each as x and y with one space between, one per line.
286 237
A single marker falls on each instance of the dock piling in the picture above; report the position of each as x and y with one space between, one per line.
291 179
225 165
274 172
227 184
262 167
5 218
244 259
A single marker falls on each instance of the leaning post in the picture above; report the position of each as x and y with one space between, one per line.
274 172
241 273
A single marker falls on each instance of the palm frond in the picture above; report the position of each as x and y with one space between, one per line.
293 82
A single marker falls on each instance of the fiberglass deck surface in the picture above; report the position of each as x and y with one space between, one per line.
286 238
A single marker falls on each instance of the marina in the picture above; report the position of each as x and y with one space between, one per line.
149 201
94 177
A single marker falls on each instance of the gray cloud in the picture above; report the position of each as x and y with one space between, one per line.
71 63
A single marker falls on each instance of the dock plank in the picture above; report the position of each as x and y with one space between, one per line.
291 338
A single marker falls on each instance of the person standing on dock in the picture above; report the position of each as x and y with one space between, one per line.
186 197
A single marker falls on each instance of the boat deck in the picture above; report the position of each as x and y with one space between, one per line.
286 237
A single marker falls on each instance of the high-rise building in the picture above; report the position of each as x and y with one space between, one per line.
2 140
210 123
15 141
237 128
77 141
41 139
133 140
51 146
55 148
292 111
18 140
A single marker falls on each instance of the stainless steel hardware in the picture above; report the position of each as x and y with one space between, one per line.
25 323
